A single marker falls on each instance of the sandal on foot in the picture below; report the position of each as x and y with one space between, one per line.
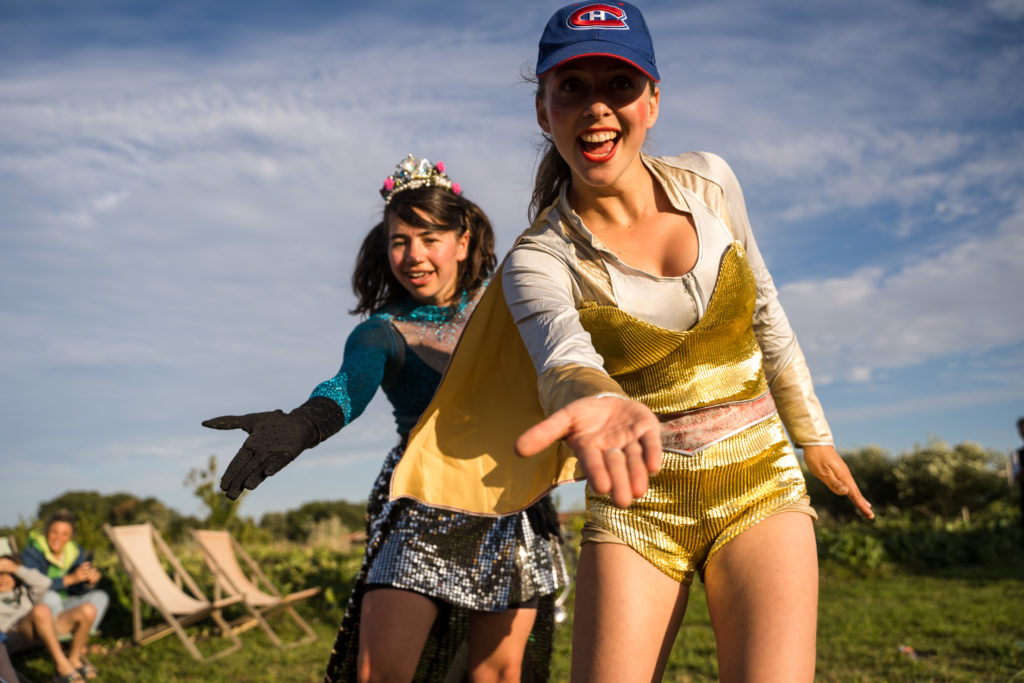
73 677
88 671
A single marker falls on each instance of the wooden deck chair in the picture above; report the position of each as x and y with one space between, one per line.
137 546
221 552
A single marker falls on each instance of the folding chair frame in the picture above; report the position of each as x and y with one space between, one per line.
174 624
257 614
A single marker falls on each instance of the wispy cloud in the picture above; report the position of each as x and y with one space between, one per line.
1012 10
964 299
183 193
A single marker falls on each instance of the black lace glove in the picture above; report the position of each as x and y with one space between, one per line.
275 439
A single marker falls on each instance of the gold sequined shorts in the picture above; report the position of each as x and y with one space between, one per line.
702 499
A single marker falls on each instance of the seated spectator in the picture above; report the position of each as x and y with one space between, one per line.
70 568
24 619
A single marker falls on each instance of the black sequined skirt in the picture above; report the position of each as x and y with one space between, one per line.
464 562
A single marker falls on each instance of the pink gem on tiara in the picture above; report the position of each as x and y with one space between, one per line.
413 172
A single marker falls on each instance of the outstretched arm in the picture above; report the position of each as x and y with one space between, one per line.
825 463
617 441
784 362
275 439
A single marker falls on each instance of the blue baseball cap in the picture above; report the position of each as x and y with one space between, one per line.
597 29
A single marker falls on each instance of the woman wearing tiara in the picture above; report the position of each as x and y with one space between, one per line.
431 579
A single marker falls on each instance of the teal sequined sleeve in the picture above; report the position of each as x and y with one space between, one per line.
370 347
388 349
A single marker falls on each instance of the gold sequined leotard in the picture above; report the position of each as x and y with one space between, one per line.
727 462
720 420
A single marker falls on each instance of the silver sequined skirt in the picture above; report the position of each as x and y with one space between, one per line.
480 563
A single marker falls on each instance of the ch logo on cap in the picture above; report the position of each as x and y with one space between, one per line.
598 16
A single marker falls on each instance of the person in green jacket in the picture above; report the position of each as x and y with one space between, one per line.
70 568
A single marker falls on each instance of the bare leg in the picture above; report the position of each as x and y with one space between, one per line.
393 626
762 592
39 624
497 642
627 614
78 622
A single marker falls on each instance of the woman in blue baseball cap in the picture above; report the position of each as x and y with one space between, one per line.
667 370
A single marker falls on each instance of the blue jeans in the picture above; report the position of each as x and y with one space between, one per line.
97 597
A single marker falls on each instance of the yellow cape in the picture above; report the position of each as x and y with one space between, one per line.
460 454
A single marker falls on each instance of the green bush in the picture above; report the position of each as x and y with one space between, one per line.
934 480
944 481
296 525
994 538
298 567
851 548
93 509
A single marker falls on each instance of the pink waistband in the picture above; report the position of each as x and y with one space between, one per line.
695 430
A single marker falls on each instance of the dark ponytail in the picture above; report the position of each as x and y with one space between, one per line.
480 258
372 280
552 173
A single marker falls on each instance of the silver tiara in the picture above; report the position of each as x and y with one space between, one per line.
412 172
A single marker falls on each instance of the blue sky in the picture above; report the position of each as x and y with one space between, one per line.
183 187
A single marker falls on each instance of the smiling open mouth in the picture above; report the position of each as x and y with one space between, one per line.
417 276
598 145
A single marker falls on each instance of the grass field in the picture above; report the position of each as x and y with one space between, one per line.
963 625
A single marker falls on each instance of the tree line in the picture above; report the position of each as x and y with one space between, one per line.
933 490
